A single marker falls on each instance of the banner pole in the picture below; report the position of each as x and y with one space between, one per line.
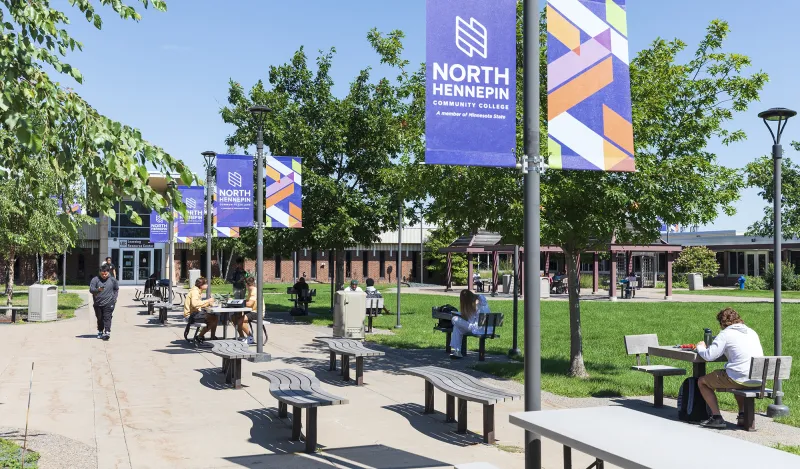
532 308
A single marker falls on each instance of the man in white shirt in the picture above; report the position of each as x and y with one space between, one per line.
739 344
353 286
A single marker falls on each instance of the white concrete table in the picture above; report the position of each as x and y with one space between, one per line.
631 439
691 356
224 314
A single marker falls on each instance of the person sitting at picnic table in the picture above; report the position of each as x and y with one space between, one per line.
241 320
739 344
239 276
466 322
353 286
300 285
371 291
476 280
193 308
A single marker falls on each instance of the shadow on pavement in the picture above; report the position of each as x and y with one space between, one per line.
434 426
213 378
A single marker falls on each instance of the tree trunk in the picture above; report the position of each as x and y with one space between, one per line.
228 265
10 277
576 366
339 271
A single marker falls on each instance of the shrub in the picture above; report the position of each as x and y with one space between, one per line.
697 259
217 281
48 281
586 280
680 281
789 280
755 283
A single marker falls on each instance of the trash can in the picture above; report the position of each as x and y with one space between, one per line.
194 274
506 283
349 311
42 303
695 282
545 287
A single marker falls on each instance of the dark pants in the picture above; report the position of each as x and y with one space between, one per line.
104 314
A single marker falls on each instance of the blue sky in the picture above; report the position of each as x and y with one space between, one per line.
168 74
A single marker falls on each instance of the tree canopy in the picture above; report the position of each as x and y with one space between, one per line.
351 146
42 120
760 175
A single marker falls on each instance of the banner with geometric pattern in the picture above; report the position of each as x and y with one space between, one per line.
588 85
284 195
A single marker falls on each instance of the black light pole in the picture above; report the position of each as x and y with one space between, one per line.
171 243
514 352
209 156
781 116
259 114
531 166
399 269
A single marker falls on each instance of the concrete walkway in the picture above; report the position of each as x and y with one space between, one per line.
146 400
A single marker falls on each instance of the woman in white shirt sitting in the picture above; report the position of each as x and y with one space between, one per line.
472 306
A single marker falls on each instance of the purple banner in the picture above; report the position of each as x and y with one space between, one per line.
194 199
234 204
470 115
159 228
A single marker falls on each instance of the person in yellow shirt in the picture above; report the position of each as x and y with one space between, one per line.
192 309
240 320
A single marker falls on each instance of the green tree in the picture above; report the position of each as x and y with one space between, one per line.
349 145
697 259
42 120
441 238
760 175
678 107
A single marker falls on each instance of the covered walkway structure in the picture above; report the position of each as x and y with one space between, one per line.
484 242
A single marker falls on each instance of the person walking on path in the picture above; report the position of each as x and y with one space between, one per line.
105 290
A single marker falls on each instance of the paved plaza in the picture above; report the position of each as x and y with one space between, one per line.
146 400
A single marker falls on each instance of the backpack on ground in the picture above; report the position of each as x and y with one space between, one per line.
691 405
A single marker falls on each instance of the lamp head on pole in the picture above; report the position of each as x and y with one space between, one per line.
781 115
259 112
209 156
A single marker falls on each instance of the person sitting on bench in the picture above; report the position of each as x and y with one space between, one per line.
300 285
192 308
739 344
472 306
241 320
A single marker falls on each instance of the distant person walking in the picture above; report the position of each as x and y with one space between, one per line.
105 290
112 268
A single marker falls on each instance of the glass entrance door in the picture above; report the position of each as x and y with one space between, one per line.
128 267
756 264
144 265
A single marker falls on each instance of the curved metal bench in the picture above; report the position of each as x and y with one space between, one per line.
301 391
349 348
466 388
232 353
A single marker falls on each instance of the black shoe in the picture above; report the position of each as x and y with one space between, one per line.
716 421
456 356
106 336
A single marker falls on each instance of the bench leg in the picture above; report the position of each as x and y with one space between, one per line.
428 398
297 422
567 457
488 424
447 336
464 346
236 372
225 364
345 368
749 414
658 391
451 409
333 362
482 349
369 324
359 371
283 410
462 416
311 430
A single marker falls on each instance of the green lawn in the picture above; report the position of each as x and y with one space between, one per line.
788 449
11 456
792 295
24 288
67 304
604 325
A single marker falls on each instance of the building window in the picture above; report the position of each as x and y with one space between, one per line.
382 264
184 265
721 262
736 263
348 264
365 264
314 264
277 267
124 227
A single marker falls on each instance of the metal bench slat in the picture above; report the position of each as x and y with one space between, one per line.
461 385
298 389
478 385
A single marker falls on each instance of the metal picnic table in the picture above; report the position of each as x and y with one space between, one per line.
632 439
691 356
224 316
